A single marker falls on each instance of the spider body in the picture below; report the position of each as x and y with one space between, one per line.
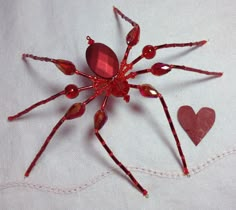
112 78
103 62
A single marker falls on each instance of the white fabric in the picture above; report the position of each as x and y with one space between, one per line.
75 172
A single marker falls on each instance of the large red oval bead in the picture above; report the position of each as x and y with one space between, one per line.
102 60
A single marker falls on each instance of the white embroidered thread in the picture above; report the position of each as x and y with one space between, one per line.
151 172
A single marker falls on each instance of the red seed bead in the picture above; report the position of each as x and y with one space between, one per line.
100 119
76 110
67 67
149 52
147 90
71 91
132 37
159 69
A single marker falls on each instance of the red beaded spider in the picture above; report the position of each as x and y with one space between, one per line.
112 80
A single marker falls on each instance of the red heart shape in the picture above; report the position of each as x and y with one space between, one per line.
196 125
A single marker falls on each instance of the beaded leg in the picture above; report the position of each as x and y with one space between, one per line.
71 91
185 168
113 157
75 111
65 66
13 117
45 144
99 120
148 91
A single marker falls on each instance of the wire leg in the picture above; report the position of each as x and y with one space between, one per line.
13 117
187 44
118 12
148 91
113 157
48 139
185 168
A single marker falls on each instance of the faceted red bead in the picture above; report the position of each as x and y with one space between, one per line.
71 91
147 90
132 37
102 60
67 67
76 110
100 119
148 52
159 69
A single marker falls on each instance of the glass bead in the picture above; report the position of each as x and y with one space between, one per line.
76 110
71 91
132 37
149 52
147 90
67 67
160 69
102 60
100 119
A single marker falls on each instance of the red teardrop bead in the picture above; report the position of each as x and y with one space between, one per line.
76 110
147 90
99 119
67 67
102 60
160 69
132 37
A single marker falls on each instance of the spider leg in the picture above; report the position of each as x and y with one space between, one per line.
48 139
75 111
186 68
13 117
149 51
65 66
71 91
132 37
148 91
99 120
187 44
122 15
159 69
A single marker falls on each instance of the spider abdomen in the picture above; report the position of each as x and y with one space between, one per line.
102 60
